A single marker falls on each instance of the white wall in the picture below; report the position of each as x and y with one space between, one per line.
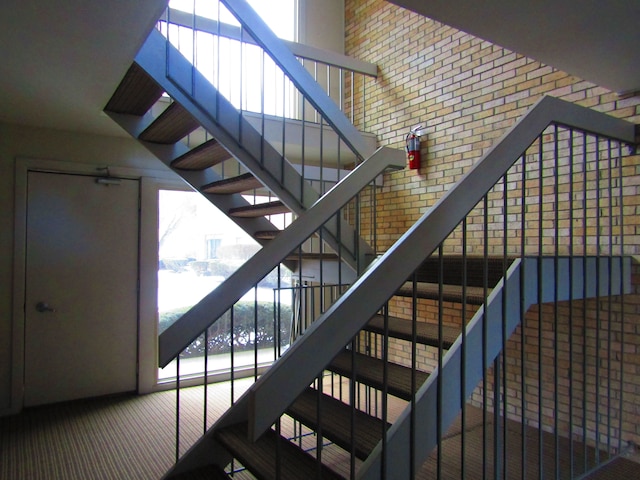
18 141
322 24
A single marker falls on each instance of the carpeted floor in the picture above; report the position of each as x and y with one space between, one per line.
133 437
112 438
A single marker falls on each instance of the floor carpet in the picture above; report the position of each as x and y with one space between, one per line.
133 437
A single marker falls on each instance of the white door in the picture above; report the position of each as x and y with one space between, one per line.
81 300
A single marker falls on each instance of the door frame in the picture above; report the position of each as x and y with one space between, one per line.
151 180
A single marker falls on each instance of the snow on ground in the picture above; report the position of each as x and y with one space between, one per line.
182 289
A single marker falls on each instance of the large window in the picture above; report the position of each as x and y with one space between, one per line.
249 79
198 248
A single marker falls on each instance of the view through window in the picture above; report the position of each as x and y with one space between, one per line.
198 248
239 70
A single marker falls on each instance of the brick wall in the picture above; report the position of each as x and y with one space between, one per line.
468 92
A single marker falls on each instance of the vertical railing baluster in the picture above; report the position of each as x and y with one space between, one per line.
505 295
571 282
177 444
385 392
318 432
231 353
598 304
439 426
609 292
556 277
352 403
584 302
623 275
463 355
206 380
485 338
540 275
414 367
353 87
523 321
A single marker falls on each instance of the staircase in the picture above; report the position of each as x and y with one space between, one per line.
231 138
342 377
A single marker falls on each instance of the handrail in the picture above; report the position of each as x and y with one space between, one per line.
300 77
300 50
175 338
274 391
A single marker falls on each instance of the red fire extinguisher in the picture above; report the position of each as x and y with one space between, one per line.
413 148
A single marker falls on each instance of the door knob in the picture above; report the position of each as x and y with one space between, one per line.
44 307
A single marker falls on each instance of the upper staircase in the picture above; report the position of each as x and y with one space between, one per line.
373 385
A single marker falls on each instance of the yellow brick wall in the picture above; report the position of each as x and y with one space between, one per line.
468 92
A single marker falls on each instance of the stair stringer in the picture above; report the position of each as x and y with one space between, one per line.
173 72
528 281
166 153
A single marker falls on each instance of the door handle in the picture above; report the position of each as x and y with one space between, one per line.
43 307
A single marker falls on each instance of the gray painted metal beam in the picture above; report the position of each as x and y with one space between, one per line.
479 358
301 50
275 390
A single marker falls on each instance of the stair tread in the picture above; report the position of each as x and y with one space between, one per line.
457 270
171 126
325 256
260 457
426 333
370 372
266 234
208 472
136 93
259 210
450 293
336 422
203 156
241 183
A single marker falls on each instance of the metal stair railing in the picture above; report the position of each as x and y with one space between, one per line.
504 207
349 314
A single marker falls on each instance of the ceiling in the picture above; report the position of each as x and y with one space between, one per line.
63 60
596 41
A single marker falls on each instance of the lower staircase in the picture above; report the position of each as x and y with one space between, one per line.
347 406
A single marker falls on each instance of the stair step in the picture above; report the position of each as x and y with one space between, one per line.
259 210
136 93
325 257
266 234
208 472
203 156
260 457
171 126
457 269
370 372
239 184
336 422
426 333
450 293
